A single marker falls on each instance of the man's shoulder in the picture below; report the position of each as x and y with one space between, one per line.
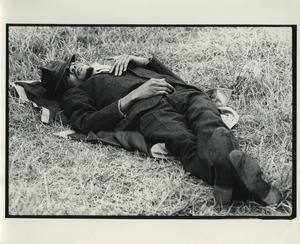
83 88
87 86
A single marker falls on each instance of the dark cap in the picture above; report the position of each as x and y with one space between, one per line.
53 75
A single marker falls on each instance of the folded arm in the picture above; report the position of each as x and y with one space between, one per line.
153 87
84 116
121 64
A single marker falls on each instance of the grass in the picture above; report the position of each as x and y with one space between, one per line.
54 176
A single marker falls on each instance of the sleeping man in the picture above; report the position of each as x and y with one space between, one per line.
138 93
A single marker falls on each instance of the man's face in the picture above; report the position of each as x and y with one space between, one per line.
77 74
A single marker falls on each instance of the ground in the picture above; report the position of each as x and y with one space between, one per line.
54 176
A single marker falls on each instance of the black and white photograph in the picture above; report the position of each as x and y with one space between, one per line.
154 121
129 122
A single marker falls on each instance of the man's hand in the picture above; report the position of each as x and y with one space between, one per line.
150 88
121 63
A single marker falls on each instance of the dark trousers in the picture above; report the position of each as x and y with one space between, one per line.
185 122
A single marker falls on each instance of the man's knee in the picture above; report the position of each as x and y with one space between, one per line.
181 144
205 114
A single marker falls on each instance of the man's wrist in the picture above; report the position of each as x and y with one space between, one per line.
131 97
126 102
148 60
120 108
141 61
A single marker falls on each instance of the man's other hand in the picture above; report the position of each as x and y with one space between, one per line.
121 63
153 87
150 88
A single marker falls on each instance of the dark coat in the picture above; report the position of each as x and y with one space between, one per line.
93 106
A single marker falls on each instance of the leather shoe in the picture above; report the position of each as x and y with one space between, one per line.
220 145
249 175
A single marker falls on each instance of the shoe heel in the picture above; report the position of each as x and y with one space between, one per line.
248 174
273 197
223 194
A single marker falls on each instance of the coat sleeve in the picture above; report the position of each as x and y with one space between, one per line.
157 66
83 115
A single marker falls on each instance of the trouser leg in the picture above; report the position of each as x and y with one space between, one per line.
199 111
216 145
202 117
164 124
214 140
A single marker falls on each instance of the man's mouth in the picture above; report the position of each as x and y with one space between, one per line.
77 71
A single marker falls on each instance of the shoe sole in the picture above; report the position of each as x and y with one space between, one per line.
252 182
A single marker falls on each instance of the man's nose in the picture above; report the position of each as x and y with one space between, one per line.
72 68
